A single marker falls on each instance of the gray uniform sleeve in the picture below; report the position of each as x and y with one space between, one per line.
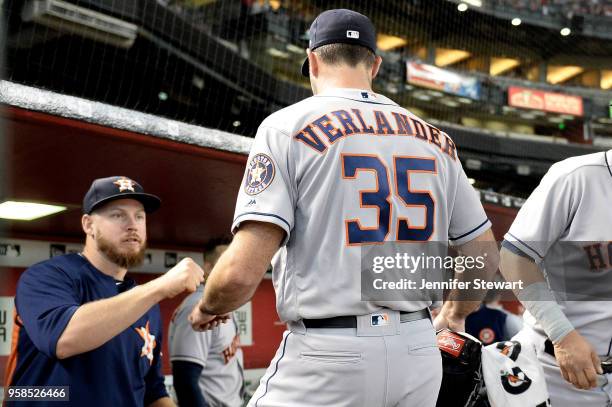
185 343
468 219
267 192
544 216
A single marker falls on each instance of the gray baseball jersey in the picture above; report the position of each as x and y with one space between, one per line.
343 169
566 227
220 383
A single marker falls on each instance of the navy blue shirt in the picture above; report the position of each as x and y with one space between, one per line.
487 324
125 371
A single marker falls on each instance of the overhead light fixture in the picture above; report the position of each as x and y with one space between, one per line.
501 65
462 7
16 210
528 116
516 21
386 42
523 169
422 96
295 49
236 123
277 53
606 79
565 31
435 93
560 74
473 164
475 3
198 82
472 181
163 96
446 56
449 102
72 19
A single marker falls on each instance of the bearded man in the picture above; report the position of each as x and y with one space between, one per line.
82 326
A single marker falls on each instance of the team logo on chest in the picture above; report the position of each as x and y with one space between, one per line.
260 173
149 342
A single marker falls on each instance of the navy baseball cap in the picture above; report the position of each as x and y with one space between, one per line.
104 190
340 26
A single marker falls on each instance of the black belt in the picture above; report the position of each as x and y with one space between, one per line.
351 321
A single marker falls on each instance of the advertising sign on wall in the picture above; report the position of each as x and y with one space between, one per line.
432 77
546 101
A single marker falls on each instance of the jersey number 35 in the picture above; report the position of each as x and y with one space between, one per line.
380 198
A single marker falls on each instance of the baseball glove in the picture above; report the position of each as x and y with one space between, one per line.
462 383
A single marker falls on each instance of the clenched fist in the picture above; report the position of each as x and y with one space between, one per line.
185 276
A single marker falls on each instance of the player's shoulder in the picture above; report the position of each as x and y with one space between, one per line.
575 166
65 269
68 264
288 119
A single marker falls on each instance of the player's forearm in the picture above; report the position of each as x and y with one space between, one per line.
461 302
95 323
535 295
163 402
241 268
231 284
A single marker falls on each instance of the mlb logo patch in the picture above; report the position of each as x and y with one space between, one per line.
379 319
352 34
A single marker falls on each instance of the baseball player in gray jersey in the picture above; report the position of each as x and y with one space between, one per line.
325 177
564 230
212 356
207 367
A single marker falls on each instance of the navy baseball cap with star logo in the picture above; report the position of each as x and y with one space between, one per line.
340 26
104 190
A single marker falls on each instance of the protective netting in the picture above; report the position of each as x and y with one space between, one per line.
476 66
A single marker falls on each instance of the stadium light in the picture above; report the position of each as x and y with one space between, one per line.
565 31
446 56
386 42
473 164
560 74
421 96
523 169
606 79
516 21
15 210
462 7
501 65
72 19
